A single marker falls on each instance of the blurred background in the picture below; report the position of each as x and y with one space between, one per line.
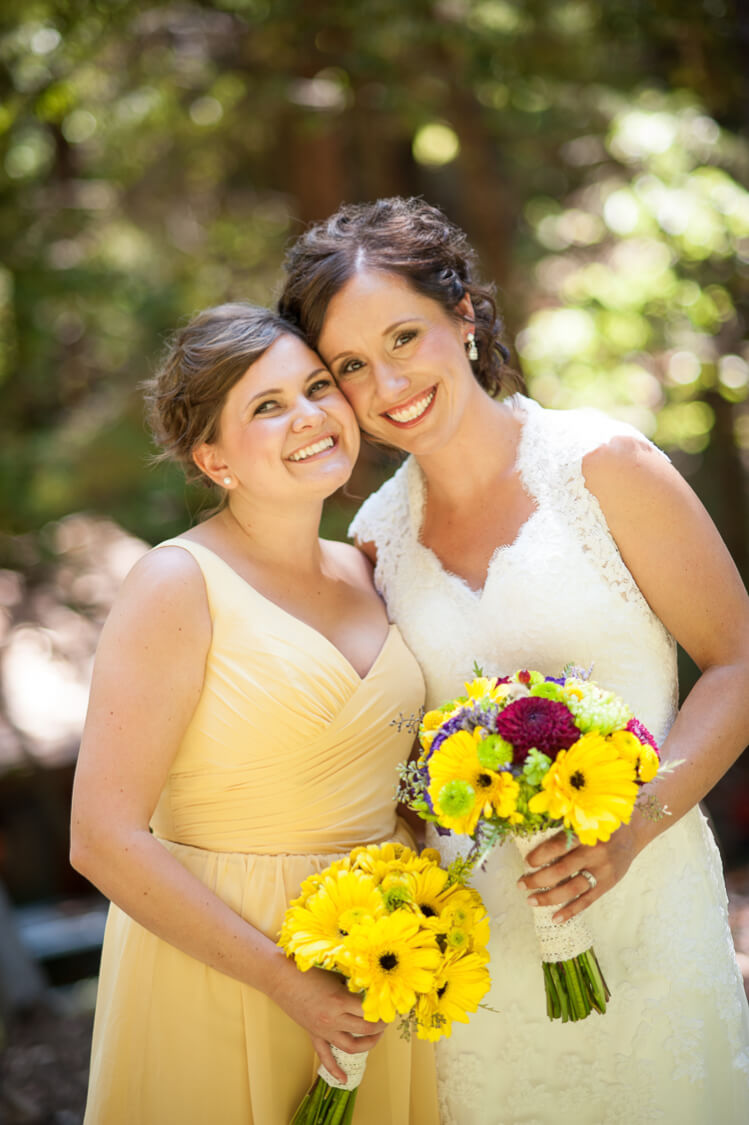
158 158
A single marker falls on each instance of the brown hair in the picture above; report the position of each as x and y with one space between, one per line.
201 364
408 237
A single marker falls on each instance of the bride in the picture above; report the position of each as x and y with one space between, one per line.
516 536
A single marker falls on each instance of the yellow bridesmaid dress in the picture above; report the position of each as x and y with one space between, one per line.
288 762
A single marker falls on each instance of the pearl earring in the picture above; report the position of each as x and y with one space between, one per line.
227 480
471 349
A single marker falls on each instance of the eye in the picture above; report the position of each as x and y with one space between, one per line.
404 338
349 367
321 385
266 407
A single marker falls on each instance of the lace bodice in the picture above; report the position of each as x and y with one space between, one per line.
548 596
674 1043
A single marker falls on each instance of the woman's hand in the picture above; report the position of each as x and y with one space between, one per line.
331 1015
560 880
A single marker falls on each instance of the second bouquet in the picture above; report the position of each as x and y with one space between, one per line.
405 934
525 756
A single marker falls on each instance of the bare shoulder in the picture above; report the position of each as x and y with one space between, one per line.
671 547
165 590
629 476
353 562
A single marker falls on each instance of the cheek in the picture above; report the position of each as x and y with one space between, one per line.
355 393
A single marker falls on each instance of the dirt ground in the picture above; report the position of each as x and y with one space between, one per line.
44 1064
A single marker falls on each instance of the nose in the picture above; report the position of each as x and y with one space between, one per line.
307 414
390 382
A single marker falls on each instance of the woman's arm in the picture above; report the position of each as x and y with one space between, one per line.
686 574
147 681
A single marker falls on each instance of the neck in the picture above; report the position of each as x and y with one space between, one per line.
482 449
286 539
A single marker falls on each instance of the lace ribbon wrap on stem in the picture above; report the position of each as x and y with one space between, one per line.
559 941
353 1065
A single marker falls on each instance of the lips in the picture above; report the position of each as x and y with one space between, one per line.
322 445
413 410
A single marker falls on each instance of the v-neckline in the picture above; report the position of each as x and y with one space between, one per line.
178 542
417 516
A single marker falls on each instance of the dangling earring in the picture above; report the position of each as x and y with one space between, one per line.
227 480
471 349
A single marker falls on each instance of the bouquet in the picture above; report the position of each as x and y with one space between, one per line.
403 932
525 756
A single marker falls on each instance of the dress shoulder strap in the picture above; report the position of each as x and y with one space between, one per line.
390 518
555 442
550 461
385 515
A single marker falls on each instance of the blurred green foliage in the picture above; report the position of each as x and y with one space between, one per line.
158 158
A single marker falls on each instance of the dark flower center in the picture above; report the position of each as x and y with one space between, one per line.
427 910
577 780
483 780
388 961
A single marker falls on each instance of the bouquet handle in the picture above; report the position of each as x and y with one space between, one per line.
559 941
353 1066
573 980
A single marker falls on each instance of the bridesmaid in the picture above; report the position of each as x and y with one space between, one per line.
238 739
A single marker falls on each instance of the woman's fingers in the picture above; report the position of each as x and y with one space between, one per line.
556 872
550 850
355 1044
357 1025
567 892
563 883
327 1058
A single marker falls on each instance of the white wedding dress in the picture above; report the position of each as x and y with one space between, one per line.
674 1043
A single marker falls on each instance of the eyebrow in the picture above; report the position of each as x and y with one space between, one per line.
386 332
279 390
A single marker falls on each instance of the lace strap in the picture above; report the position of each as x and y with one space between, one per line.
385 520
550 461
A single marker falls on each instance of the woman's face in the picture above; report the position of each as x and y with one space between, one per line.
400 359
284 426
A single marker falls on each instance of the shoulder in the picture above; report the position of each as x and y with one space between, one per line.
165 590
627 471
579 431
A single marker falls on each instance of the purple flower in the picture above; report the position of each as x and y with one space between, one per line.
536 722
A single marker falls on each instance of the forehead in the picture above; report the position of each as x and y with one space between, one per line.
288 358
368 299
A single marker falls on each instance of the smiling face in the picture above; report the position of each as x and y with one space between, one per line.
400 359
284 426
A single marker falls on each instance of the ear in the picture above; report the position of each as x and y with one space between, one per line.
209 459
464 311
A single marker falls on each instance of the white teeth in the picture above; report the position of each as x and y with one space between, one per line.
311 450
413 411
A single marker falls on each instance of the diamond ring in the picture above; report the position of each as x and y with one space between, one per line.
592 881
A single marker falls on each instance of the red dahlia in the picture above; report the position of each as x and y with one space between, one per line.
536 721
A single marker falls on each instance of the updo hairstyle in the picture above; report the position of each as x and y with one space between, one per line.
406 237
201 364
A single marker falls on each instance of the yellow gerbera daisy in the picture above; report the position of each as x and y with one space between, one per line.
312 883
313 933
460 985
642 756
428 889
590 788
460 788
392 959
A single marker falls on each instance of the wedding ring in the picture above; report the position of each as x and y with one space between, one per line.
592 881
